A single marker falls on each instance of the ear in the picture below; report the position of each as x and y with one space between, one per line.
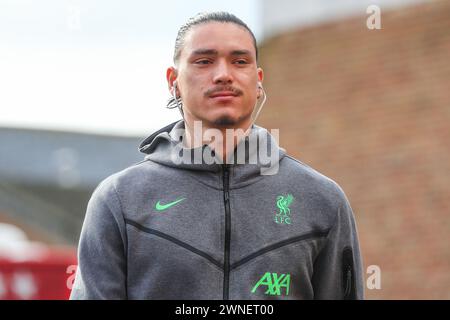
260 75
171 76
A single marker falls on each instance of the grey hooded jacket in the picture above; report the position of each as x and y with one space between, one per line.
162 229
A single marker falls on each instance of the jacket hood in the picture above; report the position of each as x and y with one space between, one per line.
256 155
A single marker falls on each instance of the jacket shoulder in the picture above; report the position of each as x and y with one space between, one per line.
321 185
123 177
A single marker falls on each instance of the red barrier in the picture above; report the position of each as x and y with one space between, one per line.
45 275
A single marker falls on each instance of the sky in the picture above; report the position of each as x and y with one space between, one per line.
94 65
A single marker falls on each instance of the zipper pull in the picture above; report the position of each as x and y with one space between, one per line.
348 287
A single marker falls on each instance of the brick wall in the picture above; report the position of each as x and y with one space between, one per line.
371 110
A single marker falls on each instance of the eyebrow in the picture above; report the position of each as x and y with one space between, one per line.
213 52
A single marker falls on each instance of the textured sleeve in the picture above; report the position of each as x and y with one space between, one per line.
101 272
338 267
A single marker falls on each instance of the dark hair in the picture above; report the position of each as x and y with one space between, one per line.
205 17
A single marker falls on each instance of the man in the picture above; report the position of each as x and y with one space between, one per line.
180 226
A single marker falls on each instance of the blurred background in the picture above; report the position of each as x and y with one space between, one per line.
82 82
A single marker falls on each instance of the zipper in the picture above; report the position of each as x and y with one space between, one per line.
226 200
348 274
348 283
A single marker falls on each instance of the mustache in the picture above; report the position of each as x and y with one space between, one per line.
236 91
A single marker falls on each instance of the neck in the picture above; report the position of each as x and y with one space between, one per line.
222 139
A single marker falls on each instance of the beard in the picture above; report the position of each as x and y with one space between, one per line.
229 121
225 121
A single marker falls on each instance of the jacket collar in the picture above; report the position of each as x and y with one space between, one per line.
164 147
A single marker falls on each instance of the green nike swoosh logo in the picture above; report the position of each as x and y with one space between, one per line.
161 207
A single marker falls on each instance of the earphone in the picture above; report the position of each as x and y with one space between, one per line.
174 91
175 98
260 88
257 109
174 88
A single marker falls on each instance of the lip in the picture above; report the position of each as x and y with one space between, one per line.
223 94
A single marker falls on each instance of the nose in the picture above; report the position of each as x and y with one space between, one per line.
222 73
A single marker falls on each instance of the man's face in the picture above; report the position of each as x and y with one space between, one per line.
217 75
